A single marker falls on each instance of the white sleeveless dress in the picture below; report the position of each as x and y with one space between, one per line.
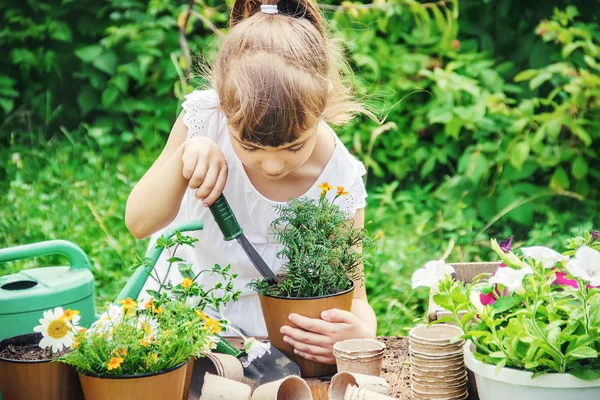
253 211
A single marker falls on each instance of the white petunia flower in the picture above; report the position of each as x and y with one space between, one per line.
475 298
110 318
548 257
586 265
511 279
57 332
255 349
431 274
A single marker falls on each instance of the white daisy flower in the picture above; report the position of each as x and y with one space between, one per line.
148 325
57 332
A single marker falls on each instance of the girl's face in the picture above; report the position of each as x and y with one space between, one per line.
275 162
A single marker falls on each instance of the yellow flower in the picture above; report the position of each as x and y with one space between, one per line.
157 311
76 343
69 314
154 357
341 191
128 304
115 362
201 314
187 282
122 352
145 342
379 235
213 326
149 304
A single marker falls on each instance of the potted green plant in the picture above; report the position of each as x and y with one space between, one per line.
323 261
141 351
27 362
534 325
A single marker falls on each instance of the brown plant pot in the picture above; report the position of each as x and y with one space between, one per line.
162 385
276 311
43 380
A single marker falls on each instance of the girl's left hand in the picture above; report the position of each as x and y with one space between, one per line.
316 337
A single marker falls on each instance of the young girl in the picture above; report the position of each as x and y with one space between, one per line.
260 137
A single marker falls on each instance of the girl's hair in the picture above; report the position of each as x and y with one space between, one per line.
278 75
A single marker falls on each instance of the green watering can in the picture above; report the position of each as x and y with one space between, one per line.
25 296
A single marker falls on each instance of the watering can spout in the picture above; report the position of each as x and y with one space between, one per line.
136 283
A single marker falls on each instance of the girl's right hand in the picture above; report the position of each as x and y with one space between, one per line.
205 168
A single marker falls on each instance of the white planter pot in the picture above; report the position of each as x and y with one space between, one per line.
514 384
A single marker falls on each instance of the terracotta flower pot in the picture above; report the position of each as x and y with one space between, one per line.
43 380
276 311
162 385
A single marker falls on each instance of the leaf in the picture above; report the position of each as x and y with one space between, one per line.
583 352
106 62
560 179
539 79
89 53
526 75
579 168
519 154
505 303
87 99
109 96
586 374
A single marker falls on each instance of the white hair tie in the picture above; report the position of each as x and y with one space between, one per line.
269 8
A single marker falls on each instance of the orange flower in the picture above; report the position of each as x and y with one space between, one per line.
201 314
341 191
115 362
213 326
122 352
145 342
68 314
325 187
149 304
187 283
157 311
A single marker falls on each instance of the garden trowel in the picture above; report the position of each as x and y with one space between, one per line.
231 229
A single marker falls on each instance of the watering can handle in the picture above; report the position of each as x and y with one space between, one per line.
77 258
136 283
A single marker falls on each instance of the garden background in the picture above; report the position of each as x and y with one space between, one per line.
497 131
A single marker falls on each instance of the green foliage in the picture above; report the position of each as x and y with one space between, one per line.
319 246
543 325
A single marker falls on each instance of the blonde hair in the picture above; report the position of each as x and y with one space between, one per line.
278 75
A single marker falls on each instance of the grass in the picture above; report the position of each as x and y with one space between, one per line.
71 189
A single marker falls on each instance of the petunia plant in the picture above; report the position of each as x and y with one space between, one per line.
539 311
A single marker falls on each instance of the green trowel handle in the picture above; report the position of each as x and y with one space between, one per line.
225 218
224 347
76 256
136 283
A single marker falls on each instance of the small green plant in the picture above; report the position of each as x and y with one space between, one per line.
538 312
321 248
162 333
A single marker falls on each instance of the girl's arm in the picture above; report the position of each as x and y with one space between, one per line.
155 200
314 339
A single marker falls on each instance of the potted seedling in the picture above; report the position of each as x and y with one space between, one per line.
141 351
323 261
27 362
534 325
